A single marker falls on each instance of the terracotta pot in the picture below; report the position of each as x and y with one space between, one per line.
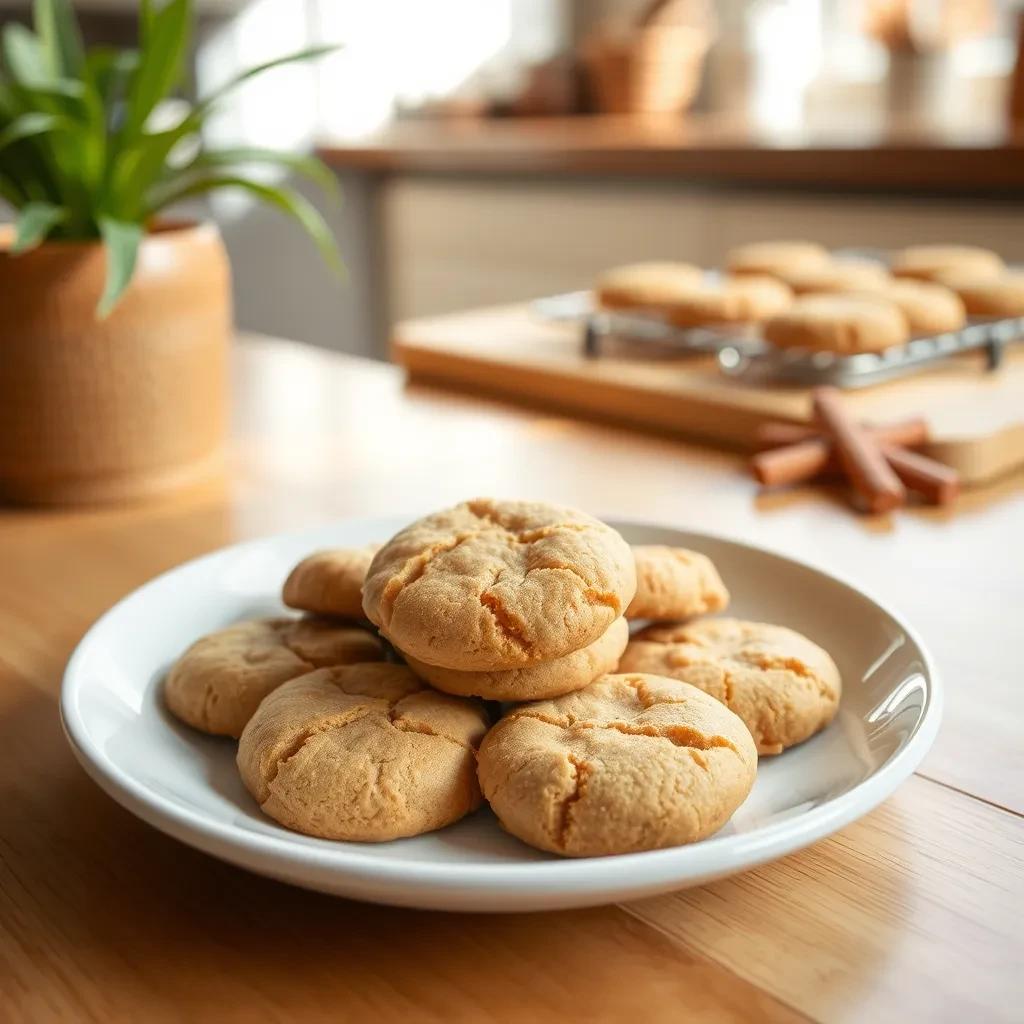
650 71
102 410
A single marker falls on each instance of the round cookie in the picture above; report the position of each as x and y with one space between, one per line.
645 285
491 585
535 682
362 752
932 262
1001 296
730 300
836 276
776 257
839 323
218 683
929 308
330 582
783 686
675 583
630 763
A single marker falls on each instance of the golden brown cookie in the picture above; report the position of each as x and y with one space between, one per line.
535 682
929 308
730 300
220 680
491 585
330 582
776 257
675 583
1001 296
839 323
645 285
840 275
362 752
783 686
631 762
932 262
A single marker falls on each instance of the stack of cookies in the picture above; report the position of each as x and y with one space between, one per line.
508 601
802 296
519 684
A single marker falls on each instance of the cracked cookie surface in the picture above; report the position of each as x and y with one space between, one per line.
632 762
675 583
363 752
783 686
218 683
330 582
534 682
493 585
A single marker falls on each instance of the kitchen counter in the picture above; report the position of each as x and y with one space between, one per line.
704 149
910 914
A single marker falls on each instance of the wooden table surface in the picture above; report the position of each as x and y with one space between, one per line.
912 914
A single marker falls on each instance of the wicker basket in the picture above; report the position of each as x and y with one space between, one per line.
654 70
102 410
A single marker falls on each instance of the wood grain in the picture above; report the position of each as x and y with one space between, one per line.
976 419
696 148
911 914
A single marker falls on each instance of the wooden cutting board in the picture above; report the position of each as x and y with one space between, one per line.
976 418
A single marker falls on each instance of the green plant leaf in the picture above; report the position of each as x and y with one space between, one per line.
23 55
164 44
288 202
35 220
308 54
108 70
302 163
58 32
121 240
11 192
137 169
35 122
145 18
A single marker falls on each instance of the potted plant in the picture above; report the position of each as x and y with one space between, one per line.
115 320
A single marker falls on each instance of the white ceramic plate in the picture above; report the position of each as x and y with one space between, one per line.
186 784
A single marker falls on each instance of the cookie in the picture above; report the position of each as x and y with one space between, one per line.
776 257
839 323
330 582
535 682
218 683
836 276
730 300
674 583
1001 296
362 752
491 585
631 762
931 262
929 308
645 285
783 686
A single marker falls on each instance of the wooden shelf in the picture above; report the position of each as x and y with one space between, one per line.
706 149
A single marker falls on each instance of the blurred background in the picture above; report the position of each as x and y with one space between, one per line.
494 150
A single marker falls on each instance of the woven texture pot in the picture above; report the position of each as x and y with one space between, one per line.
103 410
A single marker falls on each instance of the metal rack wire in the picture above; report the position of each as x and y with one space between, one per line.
744 356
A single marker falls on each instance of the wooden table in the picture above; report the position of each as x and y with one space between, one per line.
912 914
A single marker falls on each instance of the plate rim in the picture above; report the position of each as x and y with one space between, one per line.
716 856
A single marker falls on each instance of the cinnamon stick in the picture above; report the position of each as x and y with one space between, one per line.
936 482
792 463
906 433
805 453
859 454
